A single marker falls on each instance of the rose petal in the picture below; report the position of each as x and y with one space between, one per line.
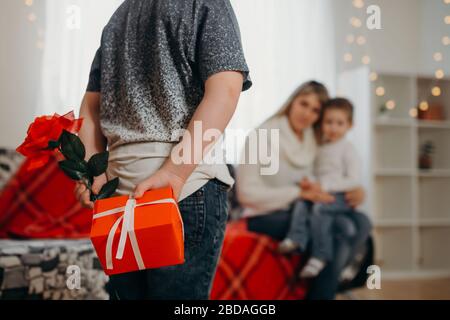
37 162
41 131
69 115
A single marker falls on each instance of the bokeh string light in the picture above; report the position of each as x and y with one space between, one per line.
435 89
33 18
356 38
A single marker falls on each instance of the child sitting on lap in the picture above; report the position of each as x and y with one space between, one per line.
337 169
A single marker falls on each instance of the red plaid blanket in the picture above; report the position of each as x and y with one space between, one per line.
41 204
250 268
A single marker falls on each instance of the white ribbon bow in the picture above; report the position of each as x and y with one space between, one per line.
128 230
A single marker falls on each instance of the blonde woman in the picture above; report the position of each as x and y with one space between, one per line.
270 199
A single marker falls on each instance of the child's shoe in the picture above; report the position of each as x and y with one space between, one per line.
312 268
287 246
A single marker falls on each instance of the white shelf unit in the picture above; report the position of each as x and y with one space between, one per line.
410 207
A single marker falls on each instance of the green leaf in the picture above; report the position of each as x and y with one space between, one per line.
71 146
108 189
53 144
73 169
98 163
90 180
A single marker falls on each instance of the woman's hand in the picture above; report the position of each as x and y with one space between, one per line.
83 194
316 196
355 197
313 192
309 185
160 179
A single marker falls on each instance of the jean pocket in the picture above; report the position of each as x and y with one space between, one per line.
193 213
221 185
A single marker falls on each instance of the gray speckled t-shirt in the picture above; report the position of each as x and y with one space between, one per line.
154 59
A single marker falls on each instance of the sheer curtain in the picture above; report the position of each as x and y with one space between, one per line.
286 42
72 35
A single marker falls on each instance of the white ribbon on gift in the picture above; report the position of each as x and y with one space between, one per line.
128 230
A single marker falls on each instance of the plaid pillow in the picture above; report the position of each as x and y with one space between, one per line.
42 204
250 268
10 160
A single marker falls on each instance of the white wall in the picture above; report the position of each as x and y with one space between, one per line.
20 63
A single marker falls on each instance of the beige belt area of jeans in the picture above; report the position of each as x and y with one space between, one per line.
134 162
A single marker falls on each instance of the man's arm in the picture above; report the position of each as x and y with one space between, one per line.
90 133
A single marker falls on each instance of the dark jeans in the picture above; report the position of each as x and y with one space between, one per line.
204 215
361 227
324 287
348 239
310 225
298 229
321 218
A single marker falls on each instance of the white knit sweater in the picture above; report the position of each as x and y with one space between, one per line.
261 194
337 167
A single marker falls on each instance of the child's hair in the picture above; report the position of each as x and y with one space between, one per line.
340 104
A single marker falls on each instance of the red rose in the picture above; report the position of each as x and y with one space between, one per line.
43 130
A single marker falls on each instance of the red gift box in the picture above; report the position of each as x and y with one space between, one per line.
131 235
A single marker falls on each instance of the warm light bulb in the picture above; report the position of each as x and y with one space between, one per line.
358 4
355 22
380 91
447 20
436 91
348 57
31 17
29 2
439 74
365 60
437 56
390 105
424 106
413 113
446 40
361 40
373 76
